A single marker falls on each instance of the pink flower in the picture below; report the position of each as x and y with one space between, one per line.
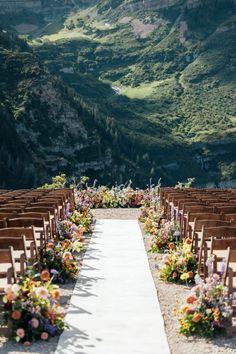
42 292
44 336
34 322
20 332
26 344
67 256
216 277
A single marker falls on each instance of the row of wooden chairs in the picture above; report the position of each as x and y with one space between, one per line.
208 217
26 225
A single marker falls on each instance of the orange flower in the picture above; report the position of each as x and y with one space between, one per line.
180 262
16 315
55 294
174 275
190 274
66 243
11 296
188 241
45 275
171 246
191 298
66 256
197 317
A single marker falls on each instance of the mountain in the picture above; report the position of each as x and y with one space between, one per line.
45 127
157 78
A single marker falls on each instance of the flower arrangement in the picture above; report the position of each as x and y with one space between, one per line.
82 219
207 309
114 197
60 259
66 229
167 233
151 217
179 264
31 308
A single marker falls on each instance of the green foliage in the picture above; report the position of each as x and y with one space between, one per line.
147 104
186 184
57 182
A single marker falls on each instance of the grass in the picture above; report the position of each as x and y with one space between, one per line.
170 91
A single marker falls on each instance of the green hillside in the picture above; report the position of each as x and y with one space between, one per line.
158 79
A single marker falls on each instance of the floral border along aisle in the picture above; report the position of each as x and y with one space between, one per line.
31 306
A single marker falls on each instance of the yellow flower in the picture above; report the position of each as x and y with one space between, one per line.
184 276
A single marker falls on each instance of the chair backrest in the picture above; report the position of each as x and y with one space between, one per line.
6 256
45 204
199 209
9 209
229 272
207 233
230 217
204 216
198 224
40 209
6 215
226 209
219 232
3 223
26 222
16 203
217 244
18 232
18 244
37 215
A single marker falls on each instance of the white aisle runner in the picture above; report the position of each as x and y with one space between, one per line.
114 308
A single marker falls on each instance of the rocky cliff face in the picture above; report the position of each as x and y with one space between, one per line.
44 124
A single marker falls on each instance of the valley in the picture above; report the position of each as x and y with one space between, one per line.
156 87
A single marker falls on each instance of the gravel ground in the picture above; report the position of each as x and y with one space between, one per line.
170 297
125 214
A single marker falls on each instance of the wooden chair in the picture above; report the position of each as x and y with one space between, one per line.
6 215
38 215
230 271
51 210
190 219
7 261
206 234
219 248
197 229
192 209
230 217
9 209
226 209
34 246
19 251
38 224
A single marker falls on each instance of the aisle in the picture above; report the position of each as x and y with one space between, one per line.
114 308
